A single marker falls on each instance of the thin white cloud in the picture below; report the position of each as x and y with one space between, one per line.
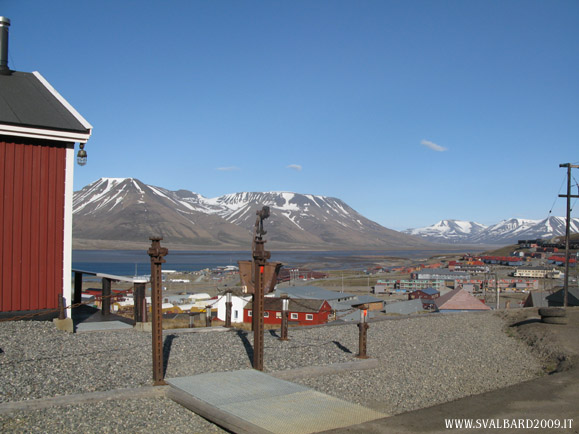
433 146
297 167
227 169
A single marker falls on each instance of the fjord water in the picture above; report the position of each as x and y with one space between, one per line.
137 262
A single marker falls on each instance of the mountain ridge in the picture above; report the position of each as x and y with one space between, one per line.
507 231
125 210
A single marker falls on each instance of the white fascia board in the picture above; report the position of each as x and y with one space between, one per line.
38 133
67 244
61 99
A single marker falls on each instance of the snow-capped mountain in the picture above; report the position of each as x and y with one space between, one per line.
504 232
126 209
448 231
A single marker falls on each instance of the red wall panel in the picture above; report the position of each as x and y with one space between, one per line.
32 223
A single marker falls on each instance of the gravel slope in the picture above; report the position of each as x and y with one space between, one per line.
423 361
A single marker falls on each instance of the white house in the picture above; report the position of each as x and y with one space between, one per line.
238 303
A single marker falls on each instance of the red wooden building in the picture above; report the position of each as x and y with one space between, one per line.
38 130
301 311
426 294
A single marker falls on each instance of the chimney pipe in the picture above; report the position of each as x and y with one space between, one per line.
4 24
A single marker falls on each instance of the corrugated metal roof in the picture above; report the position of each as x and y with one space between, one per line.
405 307
26 101
361 299
302 305
312 292
429 291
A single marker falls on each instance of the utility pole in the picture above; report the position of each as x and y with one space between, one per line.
567 229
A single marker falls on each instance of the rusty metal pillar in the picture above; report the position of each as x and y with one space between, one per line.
228 307
61 310
156 252
257 308
77 298
363 333
106 297
140 303
208 316
259 277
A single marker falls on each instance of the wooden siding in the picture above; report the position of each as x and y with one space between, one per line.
32 182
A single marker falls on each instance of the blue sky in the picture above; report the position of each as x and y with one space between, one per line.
411 112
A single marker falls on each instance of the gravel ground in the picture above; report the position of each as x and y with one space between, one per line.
424 361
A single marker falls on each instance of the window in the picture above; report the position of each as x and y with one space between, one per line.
266 314
278 315
294 316
235 314
309 317
249 313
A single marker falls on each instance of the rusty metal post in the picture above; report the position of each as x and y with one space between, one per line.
156 252
228 307
140 303
207 316
363 333
106 297
61 310
259 277
77 288
284 315
257 308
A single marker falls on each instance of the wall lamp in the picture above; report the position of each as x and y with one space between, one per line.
81 156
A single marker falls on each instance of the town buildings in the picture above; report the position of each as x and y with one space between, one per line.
537 272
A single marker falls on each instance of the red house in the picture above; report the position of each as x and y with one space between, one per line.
426 294
38 130
300 311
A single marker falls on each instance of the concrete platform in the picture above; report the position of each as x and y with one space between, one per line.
90 319
102 326
250 401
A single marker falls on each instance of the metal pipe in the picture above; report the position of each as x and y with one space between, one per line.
4 25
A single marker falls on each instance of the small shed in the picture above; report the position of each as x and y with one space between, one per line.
38 132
